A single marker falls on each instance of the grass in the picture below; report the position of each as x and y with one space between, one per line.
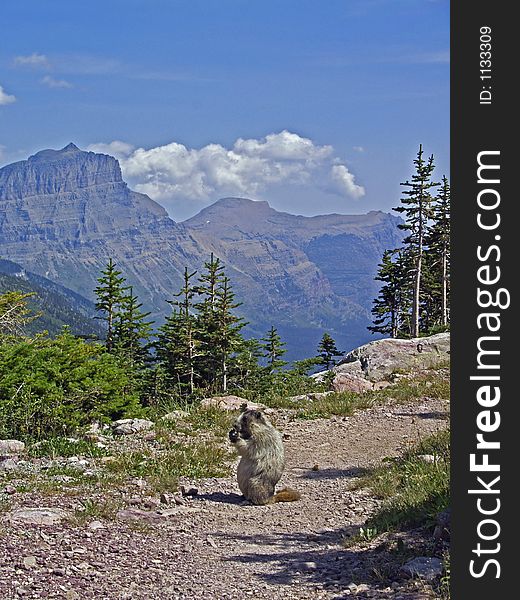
65 447
431 384
197 420
161 471
413 490
92 509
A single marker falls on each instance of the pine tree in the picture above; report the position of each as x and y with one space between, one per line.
274 349
110 292
132 331
177 340
218 327
391 307
228 338
416 207
208 327
438 257
327 351
247 368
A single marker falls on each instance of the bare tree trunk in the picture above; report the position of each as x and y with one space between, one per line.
444 288
416 291
224 376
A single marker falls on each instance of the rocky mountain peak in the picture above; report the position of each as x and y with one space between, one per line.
47 156
58 171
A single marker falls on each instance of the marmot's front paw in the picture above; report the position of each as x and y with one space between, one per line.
233 436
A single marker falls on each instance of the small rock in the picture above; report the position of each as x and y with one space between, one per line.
189 492
9 489
39 516
424 567
130 426
166 498
11 447
95 525
427 458
316 467
29 562
443 528
135 514
176 415
308 565
151 502
8 464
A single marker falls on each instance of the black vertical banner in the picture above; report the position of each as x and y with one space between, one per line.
485 242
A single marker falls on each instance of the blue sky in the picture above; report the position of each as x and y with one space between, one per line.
317 106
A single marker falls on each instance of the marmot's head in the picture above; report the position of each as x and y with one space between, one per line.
246 424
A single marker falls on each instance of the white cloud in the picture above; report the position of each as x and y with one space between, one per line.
343 182
6 98
55 83
32 60
359 149
116 148
174 172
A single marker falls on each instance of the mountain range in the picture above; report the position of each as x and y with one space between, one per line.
64 213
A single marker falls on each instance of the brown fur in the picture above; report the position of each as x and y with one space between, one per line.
262 459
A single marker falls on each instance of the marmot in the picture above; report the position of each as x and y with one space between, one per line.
262 459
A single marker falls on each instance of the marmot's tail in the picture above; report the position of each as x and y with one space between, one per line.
286 495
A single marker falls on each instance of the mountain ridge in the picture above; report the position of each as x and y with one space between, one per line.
64 213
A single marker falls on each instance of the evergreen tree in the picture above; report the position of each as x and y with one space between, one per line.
132 331
416 207
274 349
177 345
391 307
327 351
209 282
247 369
438 256
228 339
110 293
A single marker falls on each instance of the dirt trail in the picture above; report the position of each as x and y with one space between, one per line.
216 548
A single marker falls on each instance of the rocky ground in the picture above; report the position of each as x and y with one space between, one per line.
206 544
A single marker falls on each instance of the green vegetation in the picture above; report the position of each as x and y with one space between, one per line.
414 489
50 387
161 470
414 296
65 447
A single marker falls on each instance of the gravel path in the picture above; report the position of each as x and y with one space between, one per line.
213 547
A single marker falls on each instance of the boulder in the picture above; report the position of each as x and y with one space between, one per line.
130 426
375 364
11 448
229 403
345 382
377 360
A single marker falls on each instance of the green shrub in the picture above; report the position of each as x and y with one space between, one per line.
49 387
414 491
